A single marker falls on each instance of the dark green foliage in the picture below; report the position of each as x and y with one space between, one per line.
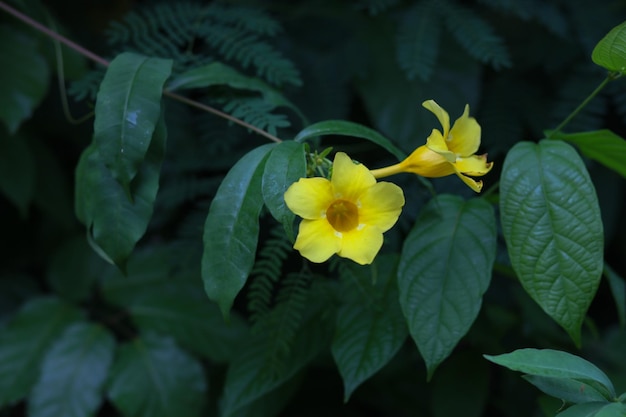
205 212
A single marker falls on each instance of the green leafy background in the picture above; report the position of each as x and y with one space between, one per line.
147 266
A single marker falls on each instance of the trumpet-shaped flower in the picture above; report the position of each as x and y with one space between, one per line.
449 152
346 215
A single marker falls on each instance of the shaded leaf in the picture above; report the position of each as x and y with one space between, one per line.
113 221
24 77
25 341
73 373
17 171
553 230
194 322
345 128
556 364
152 377
369 332
566 389
603 146
618 289
285 165
583 410
610 52
231 230
128 108
445 268
250 376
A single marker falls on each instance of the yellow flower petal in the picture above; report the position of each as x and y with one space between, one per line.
317 240
470 182
427 163
464 137
381 205
309 197
436 143
349 180
475 165
362 244
441 114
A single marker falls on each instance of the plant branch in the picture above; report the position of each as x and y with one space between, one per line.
96 58
582 105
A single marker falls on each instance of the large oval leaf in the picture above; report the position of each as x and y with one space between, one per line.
345 128
444 270
231 230
152 377
369 332
25 341
24 75
116 221
553 230
285 165
128 107
73 373
610 52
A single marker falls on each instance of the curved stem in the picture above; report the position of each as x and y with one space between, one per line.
96 58
582 105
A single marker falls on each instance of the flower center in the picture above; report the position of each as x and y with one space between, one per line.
343 215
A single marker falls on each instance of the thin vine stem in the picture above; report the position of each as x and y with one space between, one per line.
581 106
96 58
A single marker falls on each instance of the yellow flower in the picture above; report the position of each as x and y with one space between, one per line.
346 215
448 152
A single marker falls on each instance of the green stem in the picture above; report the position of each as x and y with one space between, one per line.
582 105
96 58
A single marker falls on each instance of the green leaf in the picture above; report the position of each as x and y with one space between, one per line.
250 376
17 171
193 321
24 76
583 410
285 165
74 268
612 410
553 230
345 128
369 332
73 373
556 364
618 289
128 107
444 270
231 230
566 389
610 52
152 377
25 341
603 146
113 221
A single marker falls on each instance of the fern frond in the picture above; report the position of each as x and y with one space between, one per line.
87 86
248 50
266 273
417 41
281 324
375 7
248 19
517 8
257 112
475 35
